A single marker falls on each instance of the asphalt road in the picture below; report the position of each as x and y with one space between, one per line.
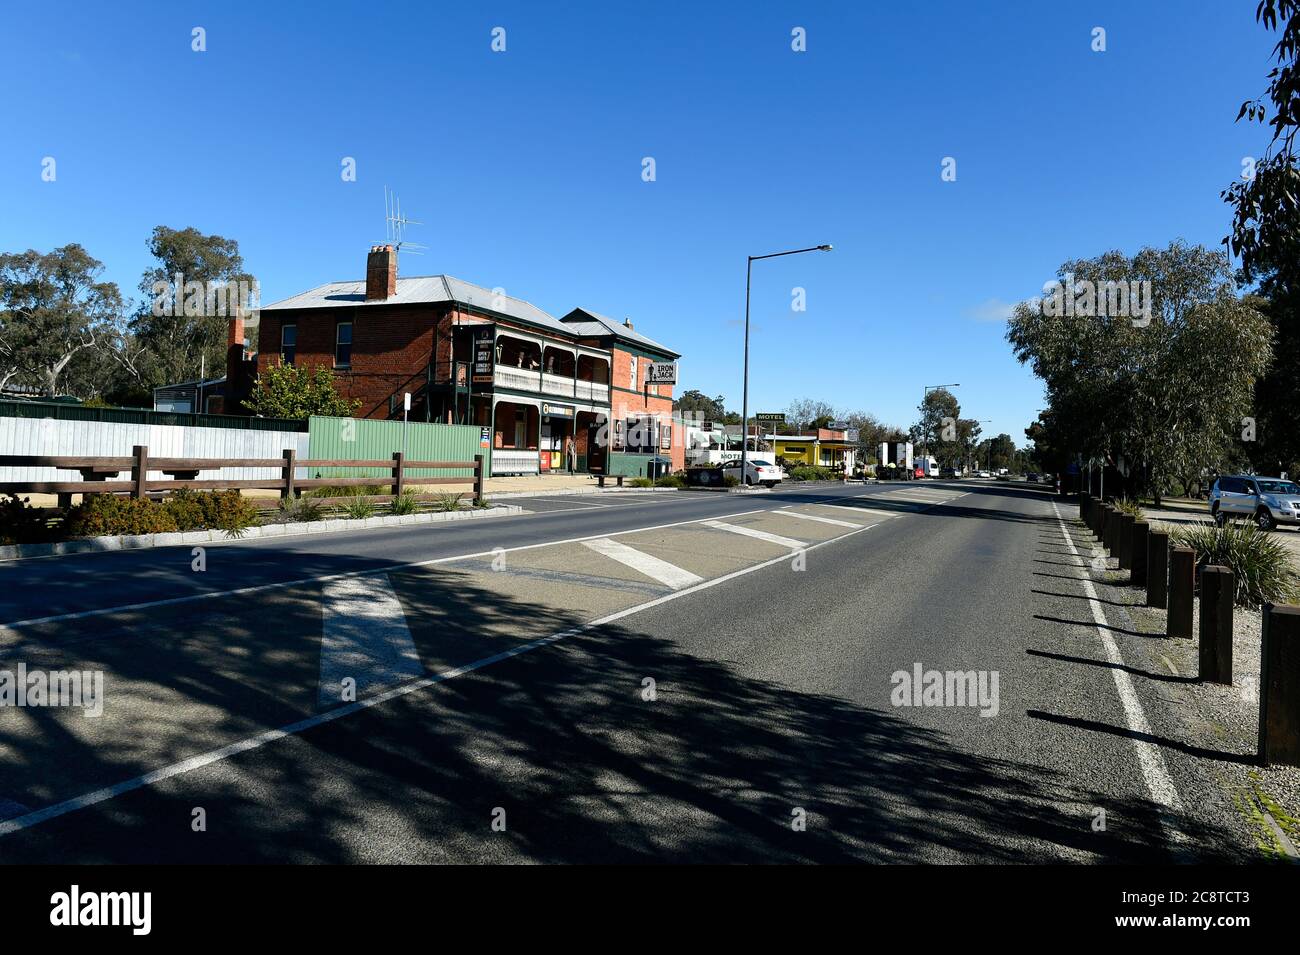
617 677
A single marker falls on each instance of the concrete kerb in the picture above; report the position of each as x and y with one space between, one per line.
136 542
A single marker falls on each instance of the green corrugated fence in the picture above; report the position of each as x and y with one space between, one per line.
69 411
365 439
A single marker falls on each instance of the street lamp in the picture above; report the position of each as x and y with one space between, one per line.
925 438
744 404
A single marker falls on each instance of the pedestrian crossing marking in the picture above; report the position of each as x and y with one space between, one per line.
814 517
670 575
757 534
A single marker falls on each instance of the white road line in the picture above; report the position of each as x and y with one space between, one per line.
364 637
670 575
18 824
1150 760
756 534
864 510
301 581
785 512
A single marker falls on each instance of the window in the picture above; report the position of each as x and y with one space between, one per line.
631 378
343 345
288 343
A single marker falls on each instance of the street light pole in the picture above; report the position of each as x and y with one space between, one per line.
744 402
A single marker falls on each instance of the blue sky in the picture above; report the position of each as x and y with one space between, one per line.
525 166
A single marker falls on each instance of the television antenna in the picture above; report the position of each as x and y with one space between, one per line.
395 225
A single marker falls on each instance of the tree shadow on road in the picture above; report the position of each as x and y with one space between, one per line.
718 767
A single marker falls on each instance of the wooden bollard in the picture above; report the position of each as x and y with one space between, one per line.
1182 584
1158 569
1217 586
1279 686
1138 552
1124 541
1083 508
1107 514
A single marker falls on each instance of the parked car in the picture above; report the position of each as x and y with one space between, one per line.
1267 501
757 471
1031 477
948 473
985 474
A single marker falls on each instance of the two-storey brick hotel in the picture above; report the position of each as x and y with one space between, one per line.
471 355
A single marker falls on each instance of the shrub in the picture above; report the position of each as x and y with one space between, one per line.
301 509
670 480
446 501
730 480
640 482
1261 566
226 511
482 502
105 514
359 509
20 523
1126 505
809 472
404 503
186 510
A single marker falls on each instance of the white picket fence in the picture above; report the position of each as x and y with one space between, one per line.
53 437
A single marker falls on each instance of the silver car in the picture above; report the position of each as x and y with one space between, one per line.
1267 501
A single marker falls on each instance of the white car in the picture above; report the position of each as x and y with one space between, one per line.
985 474
757 471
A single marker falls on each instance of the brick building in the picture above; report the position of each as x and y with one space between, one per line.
471 355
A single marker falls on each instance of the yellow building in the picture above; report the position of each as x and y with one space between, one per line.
826 448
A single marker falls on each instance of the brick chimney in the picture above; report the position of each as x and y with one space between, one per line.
381 273
241 369
627 323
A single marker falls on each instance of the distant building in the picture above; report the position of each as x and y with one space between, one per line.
472 355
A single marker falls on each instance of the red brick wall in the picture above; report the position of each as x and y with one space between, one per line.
645 400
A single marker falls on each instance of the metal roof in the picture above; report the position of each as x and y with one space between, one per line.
424 290
592 324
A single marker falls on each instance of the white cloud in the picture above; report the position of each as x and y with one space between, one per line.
991 310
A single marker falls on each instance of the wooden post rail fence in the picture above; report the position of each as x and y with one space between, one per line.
99 475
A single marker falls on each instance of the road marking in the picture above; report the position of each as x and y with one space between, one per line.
18 824
670 575
864 510
364 637
344 575
784 512
1150 760
756 534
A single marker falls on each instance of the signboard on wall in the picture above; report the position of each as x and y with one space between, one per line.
661 373
484 356
556 411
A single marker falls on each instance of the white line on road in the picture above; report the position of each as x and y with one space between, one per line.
18 824
864 510
785 512
670 575
364 637
1150 760
298 582
756 534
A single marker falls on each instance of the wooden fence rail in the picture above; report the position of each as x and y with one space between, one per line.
98 475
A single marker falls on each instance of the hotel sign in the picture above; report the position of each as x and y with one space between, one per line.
484 356
661 373
556 411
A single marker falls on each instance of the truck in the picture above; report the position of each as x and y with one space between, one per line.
927 465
